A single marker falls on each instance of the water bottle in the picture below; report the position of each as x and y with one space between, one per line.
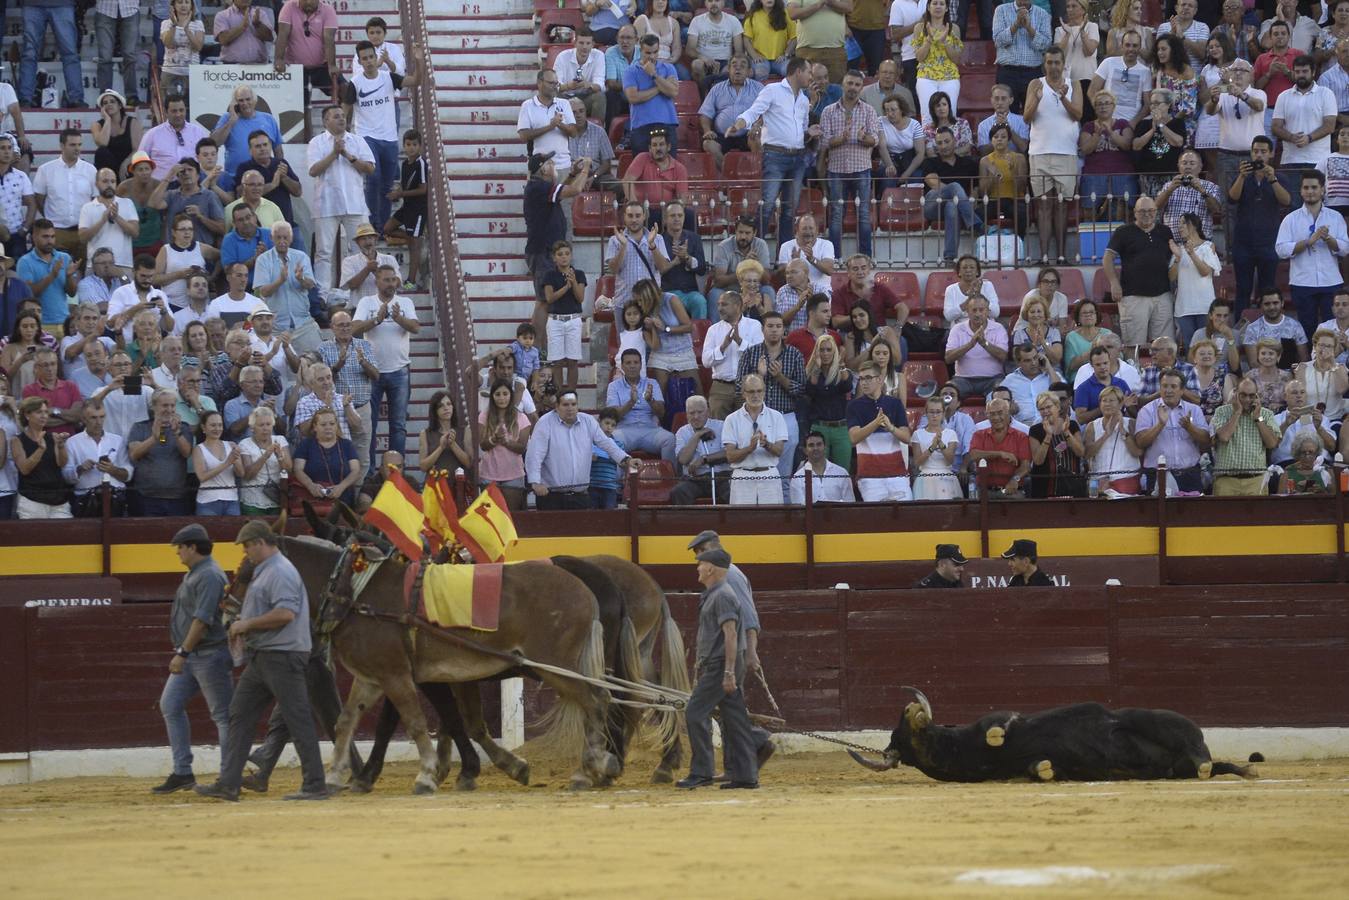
1093 487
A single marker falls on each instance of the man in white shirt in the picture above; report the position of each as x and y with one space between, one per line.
1032 376
754 437
557 460
547 123
198 303
1054 111
818 253
62 187
371 101
713 38
784 109
722 346
1313 238
141 294
110 221
1127 77
1240 109
580 74
339 163
95 457
388 321
831 482
359 269
235 304
1304 117
1118 368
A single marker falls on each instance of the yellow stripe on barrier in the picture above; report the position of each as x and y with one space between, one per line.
888 545
1252 540
576 545
58 559
744 548
129 559
1105 541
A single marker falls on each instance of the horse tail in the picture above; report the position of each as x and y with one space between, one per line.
674 674
629 662
567 726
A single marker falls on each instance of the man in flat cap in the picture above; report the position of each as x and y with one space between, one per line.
274 623
749 621
201 657
950 568
1023 557
721 672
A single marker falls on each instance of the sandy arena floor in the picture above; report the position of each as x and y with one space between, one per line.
820 826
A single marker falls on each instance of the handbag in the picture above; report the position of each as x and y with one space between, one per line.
923 337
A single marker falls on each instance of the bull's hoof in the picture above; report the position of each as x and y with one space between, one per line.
995 736
357 786
1205 770
1044 770
466 783
662 776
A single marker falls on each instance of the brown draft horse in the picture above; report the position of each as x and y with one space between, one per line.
547 615
642 618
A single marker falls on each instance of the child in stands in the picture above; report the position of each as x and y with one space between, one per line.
634 335
408 223
563 290
525 353
603 470
389 53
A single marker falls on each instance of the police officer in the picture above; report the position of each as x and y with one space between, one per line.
274 623
721 670
950 568
201 657
710 540
1023 557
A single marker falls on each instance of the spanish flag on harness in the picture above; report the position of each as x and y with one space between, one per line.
397 514
441 513
486 528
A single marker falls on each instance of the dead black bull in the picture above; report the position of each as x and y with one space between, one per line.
1082 742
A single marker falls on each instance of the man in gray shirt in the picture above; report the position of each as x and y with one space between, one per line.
734 250
201 657
721 672
274 624
749 620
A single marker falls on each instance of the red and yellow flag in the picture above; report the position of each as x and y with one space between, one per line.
397 514
486 528
439 509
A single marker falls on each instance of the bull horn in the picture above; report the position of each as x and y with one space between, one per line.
922 700
872 764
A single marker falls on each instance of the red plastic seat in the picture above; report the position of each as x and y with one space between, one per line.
934 294
593 214
689 134
975 88
617 128
977 412
1100 286
1072 285
707 209
741 169
604 287
900 210
655 480
700 328
812 201
678 421
917 371
701 166
1011 286
624 160
688 99
904 285
978 54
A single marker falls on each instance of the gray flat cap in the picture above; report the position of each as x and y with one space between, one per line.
190 534
719 558
703 537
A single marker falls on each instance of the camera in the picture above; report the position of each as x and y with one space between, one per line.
1187 180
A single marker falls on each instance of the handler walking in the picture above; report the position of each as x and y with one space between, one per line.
275 626
721 670
749 620
201 657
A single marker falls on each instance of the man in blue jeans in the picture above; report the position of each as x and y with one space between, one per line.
850 130
201 657
784 108
388 321
947 178
60 16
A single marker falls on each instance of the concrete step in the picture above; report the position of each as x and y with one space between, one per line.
505 113
494 79
475 150
485 244
457 25
499 130
492 59
485 308
490 167
493 265
441 41
508 206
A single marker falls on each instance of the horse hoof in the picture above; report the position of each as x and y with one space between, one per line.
1044 770
612 766
1205 770
521 774
423 788
579 782
442 774
995 736
356 787
464 783
661 776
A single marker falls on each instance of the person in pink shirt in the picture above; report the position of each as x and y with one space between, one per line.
243 31
977 347
64 400
306 35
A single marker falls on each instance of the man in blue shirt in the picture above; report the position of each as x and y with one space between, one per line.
1087 397
51 276
283 276
1027 381
245 242
650 87
640 409
616 61
234 129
